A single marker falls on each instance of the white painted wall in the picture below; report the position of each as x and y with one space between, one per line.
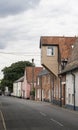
17 89
14 89
76 88
70 89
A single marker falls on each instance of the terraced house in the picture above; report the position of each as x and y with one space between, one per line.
30 75
44 86
55 52
70 76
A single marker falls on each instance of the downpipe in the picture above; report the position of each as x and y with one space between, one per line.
60 91
74 89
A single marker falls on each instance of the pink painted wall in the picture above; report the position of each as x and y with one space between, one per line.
25 88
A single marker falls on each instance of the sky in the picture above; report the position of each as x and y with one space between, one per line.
23 22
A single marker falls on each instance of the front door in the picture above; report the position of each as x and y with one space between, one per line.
63 96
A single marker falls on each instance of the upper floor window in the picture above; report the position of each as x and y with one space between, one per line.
50 51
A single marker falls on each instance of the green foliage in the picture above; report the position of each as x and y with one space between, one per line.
14 72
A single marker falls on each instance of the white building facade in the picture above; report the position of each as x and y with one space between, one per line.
72 90
17 87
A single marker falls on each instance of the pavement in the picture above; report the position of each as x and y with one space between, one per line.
1 121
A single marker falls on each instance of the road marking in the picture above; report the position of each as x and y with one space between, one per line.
57 122
43 114
3 121
2 117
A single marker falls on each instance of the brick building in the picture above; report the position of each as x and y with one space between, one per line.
55 51
44 86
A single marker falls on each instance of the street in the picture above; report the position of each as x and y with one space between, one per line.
21 114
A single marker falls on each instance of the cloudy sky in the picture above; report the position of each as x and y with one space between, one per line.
22 22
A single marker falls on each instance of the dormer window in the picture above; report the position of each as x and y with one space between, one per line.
50 51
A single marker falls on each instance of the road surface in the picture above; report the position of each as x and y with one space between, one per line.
21 114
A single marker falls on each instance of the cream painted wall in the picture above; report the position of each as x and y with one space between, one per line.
70 89
51 62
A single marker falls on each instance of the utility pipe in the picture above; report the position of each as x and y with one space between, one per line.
74 88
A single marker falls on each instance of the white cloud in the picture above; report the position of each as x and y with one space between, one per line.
8 7
21 32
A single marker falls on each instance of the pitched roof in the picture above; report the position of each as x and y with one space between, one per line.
73 59
32 72
43 72
20 80
64 44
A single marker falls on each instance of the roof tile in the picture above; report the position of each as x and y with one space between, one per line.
73 59
64 44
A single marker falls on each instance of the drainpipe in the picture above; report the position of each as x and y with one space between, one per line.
74 88
60 91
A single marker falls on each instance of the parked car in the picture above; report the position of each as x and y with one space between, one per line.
7 93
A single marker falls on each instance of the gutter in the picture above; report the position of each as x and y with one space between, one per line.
74 88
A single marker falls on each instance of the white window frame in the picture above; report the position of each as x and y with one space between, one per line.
50 50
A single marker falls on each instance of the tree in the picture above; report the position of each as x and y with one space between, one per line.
13 72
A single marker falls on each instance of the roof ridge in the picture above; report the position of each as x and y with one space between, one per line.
59 36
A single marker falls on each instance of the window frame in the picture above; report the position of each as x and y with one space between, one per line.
50 50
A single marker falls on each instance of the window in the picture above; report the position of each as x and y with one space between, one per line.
69 98
50 50
72 98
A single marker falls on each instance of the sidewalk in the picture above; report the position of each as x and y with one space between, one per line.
1 123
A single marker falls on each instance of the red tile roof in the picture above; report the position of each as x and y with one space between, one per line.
32 72
73 59
64 44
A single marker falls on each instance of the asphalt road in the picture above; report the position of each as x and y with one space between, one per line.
20 114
